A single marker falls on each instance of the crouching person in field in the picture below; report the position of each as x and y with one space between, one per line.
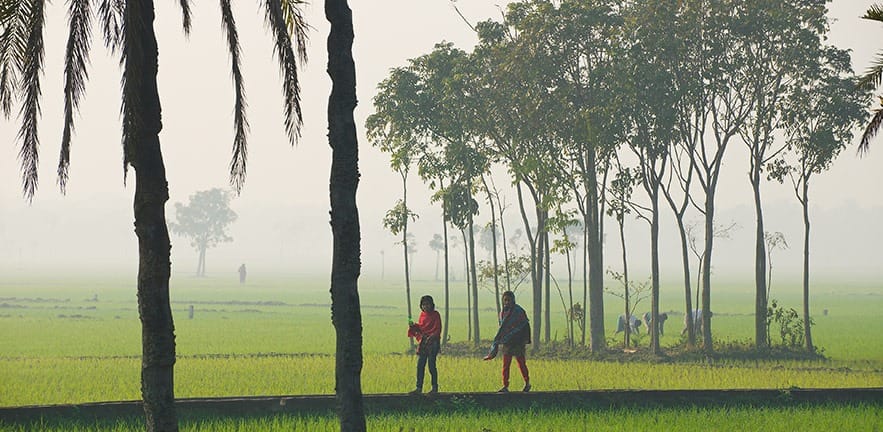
427 330
648 321
634 324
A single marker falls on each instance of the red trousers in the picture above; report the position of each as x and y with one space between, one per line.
522 364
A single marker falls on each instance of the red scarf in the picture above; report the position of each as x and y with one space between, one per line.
429 324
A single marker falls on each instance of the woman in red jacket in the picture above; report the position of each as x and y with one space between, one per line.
427 330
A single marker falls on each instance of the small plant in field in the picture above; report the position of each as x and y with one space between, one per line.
790 324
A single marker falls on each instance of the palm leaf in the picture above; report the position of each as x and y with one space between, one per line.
186 20
875 12
297 25
240 144
75 76
871 130
274 18
32 67
111 14
13 40
872 78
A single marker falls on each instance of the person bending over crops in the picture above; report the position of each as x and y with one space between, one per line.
511 339
427 330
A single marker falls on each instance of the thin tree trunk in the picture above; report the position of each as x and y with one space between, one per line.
143 124
548 282
585 278
444 340
570 297
476 329
490 200
625 281
654 270
685 261
468 286
596 265
760 290
405 249
346 264
807 330
707 343
534 276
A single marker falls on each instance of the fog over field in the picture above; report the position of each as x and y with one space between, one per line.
283 209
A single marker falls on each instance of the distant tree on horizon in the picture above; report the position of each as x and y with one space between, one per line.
204 221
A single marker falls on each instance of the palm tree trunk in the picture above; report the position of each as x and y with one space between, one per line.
345 267
142 124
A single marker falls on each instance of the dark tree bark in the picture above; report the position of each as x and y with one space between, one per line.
596 264
760 293
807 321
346 264
143 122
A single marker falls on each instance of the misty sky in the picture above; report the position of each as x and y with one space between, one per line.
283 209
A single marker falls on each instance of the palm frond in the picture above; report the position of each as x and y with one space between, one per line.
75 76
872 77
297 25
871 130
875 12
32 67
186 19
275 20
240 144
13 41
110 12
132 57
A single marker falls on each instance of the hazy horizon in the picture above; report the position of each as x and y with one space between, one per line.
283 209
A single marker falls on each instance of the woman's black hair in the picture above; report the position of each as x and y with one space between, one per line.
427 298
509 294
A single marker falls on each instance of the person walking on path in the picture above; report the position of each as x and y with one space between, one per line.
427 331
511 338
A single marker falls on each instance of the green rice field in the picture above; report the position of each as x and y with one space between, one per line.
75 339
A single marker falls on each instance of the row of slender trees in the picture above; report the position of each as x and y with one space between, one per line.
621 108
128 30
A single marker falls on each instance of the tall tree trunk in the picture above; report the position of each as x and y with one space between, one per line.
625 282
570 297
707 343
490 200
473 276
534 275
760 289
143 122
654 268
585 278
444 340
596 265
468 286
346 262
807 330
688 301
547 318
405 252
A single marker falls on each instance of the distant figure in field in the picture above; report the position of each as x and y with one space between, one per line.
427 330
648 320
697 322
634 324
511 338
242 273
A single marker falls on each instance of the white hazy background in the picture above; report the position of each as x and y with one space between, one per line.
283 209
